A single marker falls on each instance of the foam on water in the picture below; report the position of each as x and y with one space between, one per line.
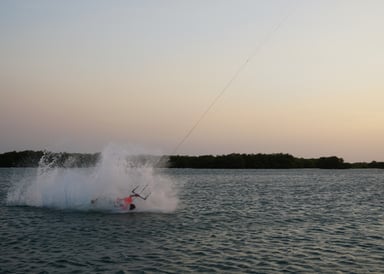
117 173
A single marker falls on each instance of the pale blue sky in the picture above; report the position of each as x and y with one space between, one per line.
76 75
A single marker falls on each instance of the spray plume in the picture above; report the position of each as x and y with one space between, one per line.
118 171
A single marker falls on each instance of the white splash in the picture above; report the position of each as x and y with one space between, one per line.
118 172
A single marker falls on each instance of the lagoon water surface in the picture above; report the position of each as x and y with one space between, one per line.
234 221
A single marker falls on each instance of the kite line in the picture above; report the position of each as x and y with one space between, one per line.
257 49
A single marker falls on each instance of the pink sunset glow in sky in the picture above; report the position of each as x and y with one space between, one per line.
76 75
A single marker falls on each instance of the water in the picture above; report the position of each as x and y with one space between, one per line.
226 221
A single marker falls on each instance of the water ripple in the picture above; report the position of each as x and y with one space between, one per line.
231 222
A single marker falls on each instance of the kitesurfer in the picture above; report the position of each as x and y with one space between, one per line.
127 202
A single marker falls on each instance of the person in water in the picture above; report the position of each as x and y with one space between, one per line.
127 202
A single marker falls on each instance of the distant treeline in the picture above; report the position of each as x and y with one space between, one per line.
264 161
30 158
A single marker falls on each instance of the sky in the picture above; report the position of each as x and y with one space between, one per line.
78 75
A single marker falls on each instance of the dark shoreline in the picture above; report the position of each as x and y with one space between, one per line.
29 158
